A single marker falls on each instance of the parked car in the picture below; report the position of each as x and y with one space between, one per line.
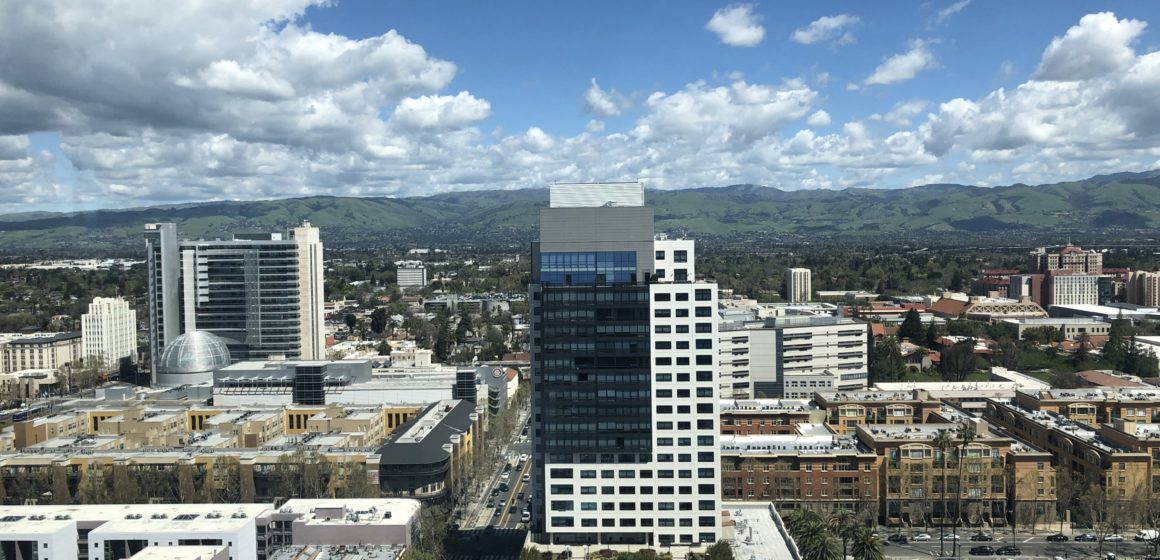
1086 537
512 508
494 492
921 537
503 487
527 477
1146 535
896 538
1010 550
523 457
491 503
950 537
520 496
526 516
982 537
983 550
505 476
1114 538
1058 537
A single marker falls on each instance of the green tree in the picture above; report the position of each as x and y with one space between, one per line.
967 434
1082 354
379 320
187 492
886 363
1066 380
719 551
351 320
943 440
1116 346
60 490
813 535
932 335
383 348
866 546
911 328
958 360
1009 354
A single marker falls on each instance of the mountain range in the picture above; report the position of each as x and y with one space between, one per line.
1121 201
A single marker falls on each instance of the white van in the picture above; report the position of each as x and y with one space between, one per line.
1147 535
526 516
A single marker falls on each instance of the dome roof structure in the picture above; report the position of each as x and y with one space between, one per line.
192 357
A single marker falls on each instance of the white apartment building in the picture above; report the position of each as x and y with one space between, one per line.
411 274
109 332
1144 288
1072 289
797 285
625 410
792 357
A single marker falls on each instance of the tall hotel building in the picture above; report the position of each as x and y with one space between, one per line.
260 293
624 377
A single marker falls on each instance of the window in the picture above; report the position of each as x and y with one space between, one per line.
704 311
662 329
683 296
663 345
704 344
662 313
587 474
682 329
704 327
661 296
682 313
704 376
664 361
680 256
703 295
681 275
682 345
561 473
664 377
660 255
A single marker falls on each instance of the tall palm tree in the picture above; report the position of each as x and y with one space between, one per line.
866 546
967 434
844 524
943 441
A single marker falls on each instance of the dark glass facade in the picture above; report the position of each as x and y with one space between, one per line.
308 385
593 394
587 268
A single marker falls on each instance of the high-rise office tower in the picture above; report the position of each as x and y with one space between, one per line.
797 285
109 332
624 377
260 293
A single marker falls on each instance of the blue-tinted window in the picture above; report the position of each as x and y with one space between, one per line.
588 268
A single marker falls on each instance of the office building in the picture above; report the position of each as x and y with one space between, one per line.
411 274
42 351
624 377
428 457
793 357
260 293
1072 328
797 285
1072 258
283 382
1144 288
109 332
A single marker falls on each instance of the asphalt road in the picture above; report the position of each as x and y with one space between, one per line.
1029 546
503 509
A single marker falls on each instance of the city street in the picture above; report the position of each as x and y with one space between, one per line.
1029 546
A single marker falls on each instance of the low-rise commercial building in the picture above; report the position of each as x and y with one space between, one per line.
767 416
844 411
41 351
428 457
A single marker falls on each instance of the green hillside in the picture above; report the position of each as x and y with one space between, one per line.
1110 202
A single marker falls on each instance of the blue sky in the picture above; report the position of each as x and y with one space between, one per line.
275 98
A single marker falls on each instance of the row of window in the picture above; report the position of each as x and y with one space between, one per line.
565 505
705 376
699 311
702 344
702 360
568 490
632 522
678 256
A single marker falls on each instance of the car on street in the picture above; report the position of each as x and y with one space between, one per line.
520 496
494 492
526 516
505 476
982 537
950 537
527 477
503 487
983 550
921 537
496 512
896 538
1086 537
491 503
507 467
1058 537
1114 538
512 508
1146 535
1010 550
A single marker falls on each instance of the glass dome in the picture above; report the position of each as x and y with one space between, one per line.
194 352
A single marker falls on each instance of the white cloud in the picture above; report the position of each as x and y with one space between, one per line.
720 116
944 14
826 28
443 112
819 119
1006 69
1099 45
904 66
604 103
903 112
737 26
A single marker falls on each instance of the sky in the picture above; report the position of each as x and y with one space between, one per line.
125 103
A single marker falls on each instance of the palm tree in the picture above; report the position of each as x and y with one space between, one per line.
844 525
866 546
967 435
943 441
812 534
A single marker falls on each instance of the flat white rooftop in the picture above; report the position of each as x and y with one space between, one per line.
756 534
181 553
595 195
369 511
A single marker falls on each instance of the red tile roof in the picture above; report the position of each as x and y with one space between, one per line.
947 307
1101 379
